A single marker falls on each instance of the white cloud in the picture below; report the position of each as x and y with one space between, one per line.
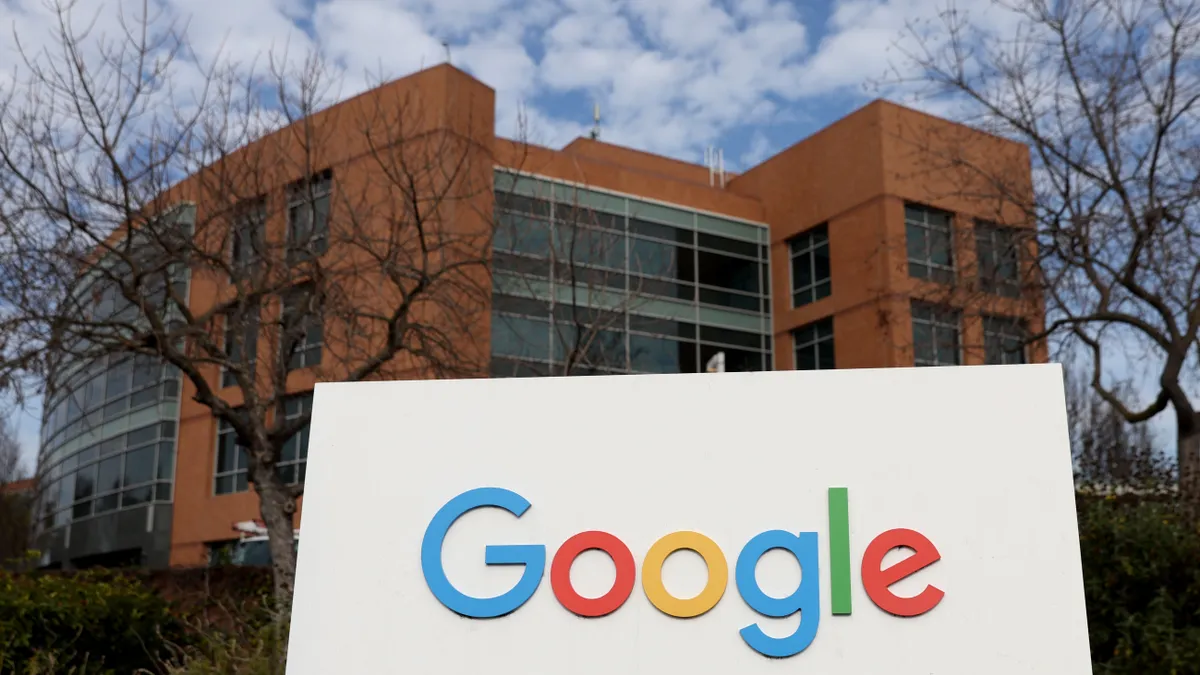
370 40
759 149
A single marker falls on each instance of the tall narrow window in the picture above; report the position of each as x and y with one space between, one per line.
810 266
301 330
308 216
248 235
930 244
232 471
814 345
935 335
999 259
293 457
241 343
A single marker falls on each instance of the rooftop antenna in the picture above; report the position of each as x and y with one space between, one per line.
446 46
714 159
596 120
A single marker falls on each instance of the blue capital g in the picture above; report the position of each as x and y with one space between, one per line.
533 557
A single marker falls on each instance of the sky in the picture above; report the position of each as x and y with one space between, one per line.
670 76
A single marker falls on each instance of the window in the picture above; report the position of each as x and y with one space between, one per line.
249 231
999 255
109 388
724 271
584 246
302 331
810 266
1003 340
233 464
521 233
814 346
121 472
293 457
682 264
521 337
935 335
930 244
649 354
308 216
241 343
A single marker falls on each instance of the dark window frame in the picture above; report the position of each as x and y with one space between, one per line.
925 267
295 331
304 199
810 244
997 247
999 333
940 320
249 218
248 342
817 337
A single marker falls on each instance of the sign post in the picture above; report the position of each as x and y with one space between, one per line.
866 521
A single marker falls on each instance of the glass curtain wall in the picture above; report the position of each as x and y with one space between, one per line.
591 282
108 435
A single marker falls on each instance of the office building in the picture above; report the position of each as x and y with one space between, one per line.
852 248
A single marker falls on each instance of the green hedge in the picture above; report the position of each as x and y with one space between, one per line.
1141 569
90 622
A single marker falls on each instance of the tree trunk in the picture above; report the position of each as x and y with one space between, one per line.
278 508
1189 462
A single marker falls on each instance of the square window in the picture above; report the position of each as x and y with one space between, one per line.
814 346
1004 340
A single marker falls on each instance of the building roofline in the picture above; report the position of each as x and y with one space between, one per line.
876 104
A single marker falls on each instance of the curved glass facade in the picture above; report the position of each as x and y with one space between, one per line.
107 458
108 451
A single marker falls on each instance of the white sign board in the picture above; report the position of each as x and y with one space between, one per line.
864 521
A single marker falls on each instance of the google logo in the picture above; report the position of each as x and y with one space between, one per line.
806 599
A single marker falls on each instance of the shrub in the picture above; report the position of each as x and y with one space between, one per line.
254 649
1141 570
86 623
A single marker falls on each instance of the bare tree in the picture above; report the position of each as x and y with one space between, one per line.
1104 93
1110 454
238 231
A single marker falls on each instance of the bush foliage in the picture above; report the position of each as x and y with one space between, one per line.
1141 570
91 622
